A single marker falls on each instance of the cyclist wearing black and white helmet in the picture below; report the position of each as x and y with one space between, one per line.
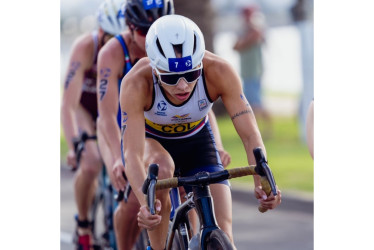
79 108
164 101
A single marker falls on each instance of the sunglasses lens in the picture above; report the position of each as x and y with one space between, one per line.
170 79
192 76
173 79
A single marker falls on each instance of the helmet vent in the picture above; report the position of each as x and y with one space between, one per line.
194 43
160 48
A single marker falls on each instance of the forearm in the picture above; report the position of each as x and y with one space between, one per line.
69 125
253 141
246 42
110 131
136 174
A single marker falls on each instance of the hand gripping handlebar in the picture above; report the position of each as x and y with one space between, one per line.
204 178
149 187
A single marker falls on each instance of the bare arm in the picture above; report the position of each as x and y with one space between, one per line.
241 113
80 60
133 98
225 156
109 71
246 41
244 122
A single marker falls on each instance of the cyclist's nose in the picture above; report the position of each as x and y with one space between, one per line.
182 83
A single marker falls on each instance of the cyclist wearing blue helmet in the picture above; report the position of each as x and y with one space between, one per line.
79 110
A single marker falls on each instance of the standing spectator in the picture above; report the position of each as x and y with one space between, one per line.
249 46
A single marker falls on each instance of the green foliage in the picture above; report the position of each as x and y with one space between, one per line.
288 156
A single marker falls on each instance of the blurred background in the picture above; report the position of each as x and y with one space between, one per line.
287 83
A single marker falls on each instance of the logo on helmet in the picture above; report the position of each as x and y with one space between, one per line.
150 4
180 64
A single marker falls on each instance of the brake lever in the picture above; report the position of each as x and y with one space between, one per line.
149 187
263 169
123 195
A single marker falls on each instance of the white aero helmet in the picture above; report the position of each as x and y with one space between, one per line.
171 30
110 16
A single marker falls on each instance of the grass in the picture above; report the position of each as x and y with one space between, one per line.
288 157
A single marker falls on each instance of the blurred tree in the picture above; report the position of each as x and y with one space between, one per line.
202 13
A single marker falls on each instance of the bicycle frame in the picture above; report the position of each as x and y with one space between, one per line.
200 198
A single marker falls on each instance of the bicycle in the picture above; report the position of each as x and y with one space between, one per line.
104 196
108 198
210 235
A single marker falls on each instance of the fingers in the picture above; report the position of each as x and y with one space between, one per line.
147 220
260 194
225 157
271 201
119 182
71 161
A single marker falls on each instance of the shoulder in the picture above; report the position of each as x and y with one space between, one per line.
112 50
137 85
139 78
219 74
83 44
215 66
83 49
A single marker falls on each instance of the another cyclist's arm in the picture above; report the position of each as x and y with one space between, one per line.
80 60
225 156
109 71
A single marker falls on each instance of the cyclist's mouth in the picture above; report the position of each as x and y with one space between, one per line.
183 96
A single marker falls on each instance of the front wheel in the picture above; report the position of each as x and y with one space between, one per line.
218 240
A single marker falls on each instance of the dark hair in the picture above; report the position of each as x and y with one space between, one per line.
136 14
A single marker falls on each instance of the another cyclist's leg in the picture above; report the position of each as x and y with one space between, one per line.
223 207
155 153
125 221
90 164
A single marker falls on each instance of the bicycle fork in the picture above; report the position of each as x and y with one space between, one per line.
201 199
205 209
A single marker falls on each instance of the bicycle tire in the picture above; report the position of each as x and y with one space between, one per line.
178 242
96 215
142 241
218 240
